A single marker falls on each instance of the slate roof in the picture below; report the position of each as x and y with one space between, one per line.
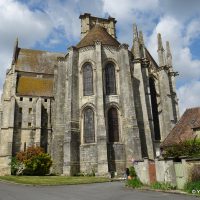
98 33
183 130
33 86
36 61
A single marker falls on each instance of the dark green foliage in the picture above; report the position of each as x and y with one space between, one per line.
195 173
134 183
132 171
15 165
33 161
193 187
190 148
162 186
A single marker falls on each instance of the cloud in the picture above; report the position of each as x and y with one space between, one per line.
17 20
189 95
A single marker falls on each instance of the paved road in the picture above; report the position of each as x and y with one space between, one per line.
99 191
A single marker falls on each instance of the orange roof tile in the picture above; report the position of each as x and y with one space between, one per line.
98 33
183 130
33 86
29 60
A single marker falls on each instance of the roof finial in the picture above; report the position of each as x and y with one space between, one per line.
169 55
161 53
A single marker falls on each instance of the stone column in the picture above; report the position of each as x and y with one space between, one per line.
38 122
71 113
101 129
141 104
58 122
129 122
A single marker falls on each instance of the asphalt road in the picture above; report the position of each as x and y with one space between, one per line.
99 191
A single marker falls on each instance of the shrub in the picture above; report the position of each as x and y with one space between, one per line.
132 171
190 148
134 183
162 186
34 160
192 187
195 173
15 165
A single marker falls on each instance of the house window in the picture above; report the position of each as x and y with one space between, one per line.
21 98
30 99
30 110
45 100
19 124
110 79
113 126
29 124
20 109
89 130
87 80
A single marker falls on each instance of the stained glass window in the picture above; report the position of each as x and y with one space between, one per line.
87 80
89 130
113 126
110 79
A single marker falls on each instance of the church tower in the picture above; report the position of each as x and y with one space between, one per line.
95 108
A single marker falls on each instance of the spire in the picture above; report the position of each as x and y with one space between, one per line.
160 46
161 51
142 46
15 51
169 55
136 45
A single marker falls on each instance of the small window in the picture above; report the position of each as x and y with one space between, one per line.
45 100
110 79
20 109
89 130
30 99
24 146
29 124
30 110
87 80
21 98
19 124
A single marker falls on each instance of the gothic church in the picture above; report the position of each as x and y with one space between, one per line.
95 108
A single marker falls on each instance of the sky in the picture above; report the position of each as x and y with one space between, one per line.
54 25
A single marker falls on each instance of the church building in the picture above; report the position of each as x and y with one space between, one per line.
95 108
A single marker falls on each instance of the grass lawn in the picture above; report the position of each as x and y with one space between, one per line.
54 180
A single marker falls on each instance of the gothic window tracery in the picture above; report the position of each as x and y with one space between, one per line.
113 126
110 79
87 80
89 128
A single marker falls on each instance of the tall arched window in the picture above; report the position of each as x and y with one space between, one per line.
87 80
89 130
110 79
113 126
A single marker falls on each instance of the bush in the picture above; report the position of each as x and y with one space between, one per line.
190 148
162 186
34 160
195 173
132 171
134 183
192 187
16 165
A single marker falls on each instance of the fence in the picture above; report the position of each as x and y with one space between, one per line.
167 171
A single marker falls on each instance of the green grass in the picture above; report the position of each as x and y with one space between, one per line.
162 186
53 180
134 183
193 187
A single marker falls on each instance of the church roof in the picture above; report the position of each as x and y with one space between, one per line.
35 61
98 33
34 86
183 130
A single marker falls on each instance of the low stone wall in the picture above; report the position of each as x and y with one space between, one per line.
167 171
5 168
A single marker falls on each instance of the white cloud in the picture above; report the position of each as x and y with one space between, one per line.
17 20
189 95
